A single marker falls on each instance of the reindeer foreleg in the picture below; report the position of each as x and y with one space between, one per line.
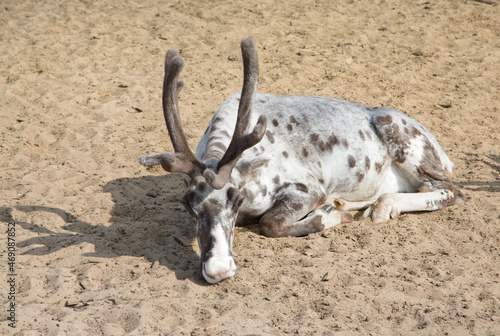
297 213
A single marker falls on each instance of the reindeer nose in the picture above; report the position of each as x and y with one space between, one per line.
215 273
217 277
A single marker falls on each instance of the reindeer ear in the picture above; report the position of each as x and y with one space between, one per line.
251 166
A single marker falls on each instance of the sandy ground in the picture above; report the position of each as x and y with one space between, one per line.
97 254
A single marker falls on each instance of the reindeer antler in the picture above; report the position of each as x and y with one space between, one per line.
241 141
183 160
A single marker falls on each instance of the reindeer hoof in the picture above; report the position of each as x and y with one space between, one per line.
345 217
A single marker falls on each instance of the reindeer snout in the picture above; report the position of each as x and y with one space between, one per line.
217 270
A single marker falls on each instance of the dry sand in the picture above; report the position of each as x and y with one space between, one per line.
80 85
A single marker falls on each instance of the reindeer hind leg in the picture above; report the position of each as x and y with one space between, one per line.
417 159
392 204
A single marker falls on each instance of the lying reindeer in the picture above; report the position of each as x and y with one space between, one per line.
319 158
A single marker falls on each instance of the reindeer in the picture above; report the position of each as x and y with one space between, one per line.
303 171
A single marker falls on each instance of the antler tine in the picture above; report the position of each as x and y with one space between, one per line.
241 142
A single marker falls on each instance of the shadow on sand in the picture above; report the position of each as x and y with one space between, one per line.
146 221
492 161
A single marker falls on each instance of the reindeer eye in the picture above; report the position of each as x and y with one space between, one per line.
201 187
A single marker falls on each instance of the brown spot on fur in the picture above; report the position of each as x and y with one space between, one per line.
276 180
378 167
431 160
401 144
302 187
305 153
351 161
289 127
316 142
361 176
403 121
263 190
361 135
395 139
314 137
332 141
212 207
232 193
345 143
234 198
284 186
367 163
285 154
270 136
293 120
275 123
249 196
322 146
384 120
414 132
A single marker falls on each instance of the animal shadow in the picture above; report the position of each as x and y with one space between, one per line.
147 221
493 162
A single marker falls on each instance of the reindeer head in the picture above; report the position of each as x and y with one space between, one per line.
212 199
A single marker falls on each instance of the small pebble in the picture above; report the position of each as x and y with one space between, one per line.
418 52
